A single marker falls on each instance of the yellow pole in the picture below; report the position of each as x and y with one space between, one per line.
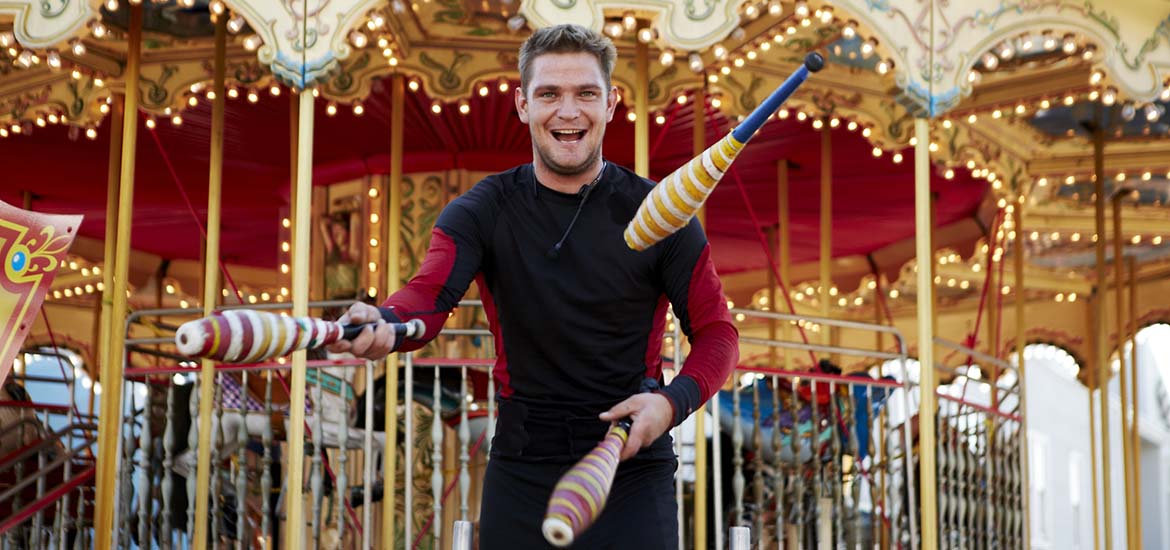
1021 343
1123 376
699 141
295 524
1136 446
110 423
641 109
698 145
113 174
1091 380
393 239
210 288
929 401
1102 349
826 228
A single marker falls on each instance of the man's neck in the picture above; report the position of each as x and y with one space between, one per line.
566 183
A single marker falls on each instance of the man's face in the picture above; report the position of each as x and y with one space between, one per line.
566 108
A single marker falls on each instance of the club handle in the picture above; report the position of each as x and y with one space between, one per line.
813 62
413 329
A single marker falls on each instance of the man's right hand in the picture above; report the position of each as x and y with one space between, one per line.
374 342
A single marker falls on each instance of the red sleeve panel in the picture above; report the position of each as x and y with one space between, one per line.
694 289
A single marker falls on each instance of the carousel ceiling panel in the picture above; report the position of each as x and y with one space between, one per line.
935 45
685 25
46 23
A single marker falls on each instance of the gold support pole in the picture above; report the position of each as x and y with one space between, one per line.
826 230
211 286
641 109
1102 349
295 524
1021 343
110 423
698 145
1091 379
927 482
1123 376
113 174
393 240
784 231
1136 445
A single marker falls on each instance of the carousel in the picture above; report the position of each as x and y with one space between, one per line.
977 188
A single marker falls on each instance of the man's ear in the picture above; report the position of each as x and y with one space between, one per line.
522 104
611 100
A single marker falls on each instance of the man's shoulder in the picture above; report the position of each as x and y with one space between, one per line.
627 182
493 188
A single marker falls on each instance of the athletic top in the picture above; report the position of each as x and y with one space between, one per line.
580 322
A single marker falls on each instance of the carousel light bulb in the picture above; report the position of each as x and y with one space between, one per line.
972 118
377 20
105 109
868 46
78 48
233 93
1165 95
725 70
666 58
974 76
91 133
1049 41
358 39
1096 77
98 82
751 11
253 97
629 21
111 5
883 67
253 42
7 39
1005 51
801 8
1153 112
99 30
517 22
818 124
1021 109
236 24
177 120
801 116
503 85
826 15
464 107
834 122
897 158
631 116
949 174
719 51
660 119
738 62
775 8
866 132
877 151
695 62
1069 46
990 61
782 114
852 126
1045 104
1157 240
1089 52
1068 100
646 35
216 7
1109 97
192 101
613 30
331 109
53 118
150 123
1070 180
436 108
765 46
751 55
716 102
274 90
53 60
211 95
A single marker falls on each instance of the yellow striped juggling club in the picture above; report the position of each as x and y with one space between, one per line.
675 200
577 499
247 336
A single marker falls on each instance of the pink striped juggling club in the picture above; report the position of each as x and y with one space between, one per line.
248 336
579 496
675 200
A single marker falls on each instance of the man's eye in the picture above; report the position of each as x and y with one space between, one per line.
548 95
589 94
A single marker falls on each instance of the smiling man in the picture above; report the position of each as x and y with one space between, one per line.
578 317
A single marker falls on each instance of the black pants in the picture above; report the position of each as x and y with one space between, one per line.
641 513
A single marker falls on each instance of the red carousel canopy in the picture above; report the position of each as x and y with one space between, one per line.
873 204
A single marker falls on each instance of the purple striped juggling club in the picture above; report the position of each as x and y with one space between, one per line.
579 496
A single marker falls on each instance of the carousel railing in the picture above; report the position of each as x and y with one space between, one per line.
343 471
45 492
980 455
820 459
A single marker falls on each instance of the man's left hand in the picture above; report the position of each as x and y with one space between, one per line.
651 414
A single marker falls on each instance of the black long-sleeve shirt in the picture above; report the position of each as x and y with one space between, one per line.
584 324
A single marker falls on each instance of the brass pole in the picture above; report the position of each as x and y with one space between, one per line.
1102 350
211 286
393 239
1136 445
113 174
295 524
1123 376
110 426
928 481
698 145
826 252
641 109
1021 343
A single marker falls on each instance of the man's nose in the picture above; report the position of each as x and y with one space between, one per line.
568 108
